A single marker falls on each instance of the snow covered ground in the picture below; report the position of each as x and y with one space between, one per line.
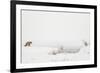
49 30
42 54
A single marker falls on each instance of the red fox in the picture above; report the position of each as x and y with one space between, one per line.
28 43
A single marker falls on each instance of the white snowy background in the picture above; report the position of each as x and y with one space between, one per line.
48 31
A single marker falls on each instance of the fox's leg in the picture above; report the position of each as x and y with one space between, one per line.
29 44
26 44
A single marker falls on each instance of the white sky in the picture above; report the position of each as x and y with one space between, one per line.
54 27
